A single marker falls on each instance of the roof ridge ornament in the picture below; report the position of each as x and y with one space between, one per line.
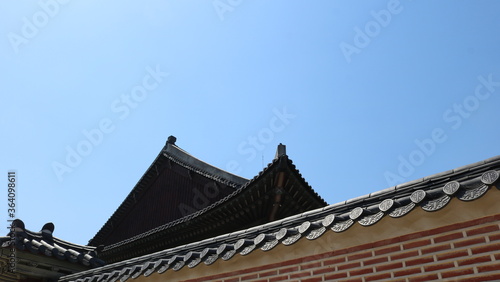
47 230
280 151
49 227
171 140
17 223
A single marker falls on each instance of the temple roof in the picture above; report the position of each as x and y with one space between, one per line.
44 243
276 192
429 194
39 253
171 188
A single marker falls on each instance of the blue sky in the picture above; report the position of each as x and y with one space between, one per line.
365 94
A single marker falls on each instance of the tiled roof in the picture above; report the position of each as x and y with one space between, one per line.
249 205
183 158
429 194
43 243
169 180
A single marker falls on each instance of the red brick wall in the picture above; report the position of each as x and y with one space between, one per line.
467 251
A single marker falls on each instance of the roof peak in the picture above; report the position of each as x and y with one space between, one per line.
171 163
171 140
280 151
174 152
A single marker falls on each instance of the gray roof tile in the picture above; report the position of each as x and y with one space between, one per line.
43 243
365 210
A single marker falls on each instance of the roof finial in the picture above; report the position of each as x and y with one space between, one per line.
280 151
47 231
49 227
171 140
17 223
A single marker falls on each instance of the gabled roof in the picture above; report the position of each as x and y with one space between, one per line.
171 188
66 257
276 192
429 194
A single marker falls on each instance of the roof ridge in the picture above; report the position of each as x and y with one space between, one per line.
340 216
313 225
189 161
45 243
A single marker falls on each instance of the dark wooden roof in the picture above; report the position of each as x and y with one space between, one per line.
277 192
175 185
431 193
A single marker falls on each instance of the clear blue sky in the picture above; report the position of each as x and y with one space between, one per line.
365 94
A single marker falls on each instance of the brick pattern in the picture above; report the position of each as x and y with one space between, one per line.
468 251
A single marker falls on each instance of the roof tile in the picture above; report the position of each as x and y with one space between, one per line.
429 197
44 244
